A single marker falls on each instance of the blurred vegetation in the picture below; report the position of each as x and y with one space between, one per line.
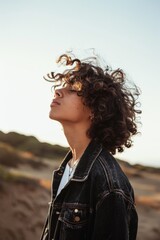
147 168
6 176
16 149
31 144
10 157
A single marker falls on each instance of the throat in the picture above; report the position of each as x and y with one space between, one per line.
73 163
72 167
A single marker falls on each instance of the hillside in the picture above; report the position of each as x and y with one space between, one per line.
25 180
33 145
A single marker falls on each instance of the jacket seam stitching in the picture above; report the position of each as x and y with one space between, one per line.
84 178
116 191
106 173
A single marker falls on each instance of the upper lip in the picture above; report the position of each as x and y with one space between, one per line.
55 101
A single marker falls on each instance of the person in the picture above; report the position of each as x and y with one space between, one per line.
91 197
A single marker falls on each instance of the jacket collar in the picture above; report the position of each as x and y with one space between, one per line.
86 161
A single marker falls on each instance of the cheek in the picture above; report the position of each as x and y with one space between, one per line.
81 110
76 109
78 106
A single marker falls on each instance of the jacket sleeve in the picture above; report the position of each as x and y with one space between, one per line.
116 219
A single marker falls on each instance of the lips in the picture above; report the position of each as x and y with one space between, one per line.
54 103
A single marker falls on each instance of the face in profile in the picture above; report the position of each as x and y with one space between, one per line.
67 106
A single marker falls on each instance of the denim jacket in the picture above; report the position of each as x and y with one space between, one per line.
96 204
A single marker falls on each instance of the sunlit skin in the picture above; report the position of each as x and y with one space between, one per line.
68 109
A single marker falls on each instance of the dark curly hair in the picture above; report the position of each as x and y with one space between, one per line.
112 102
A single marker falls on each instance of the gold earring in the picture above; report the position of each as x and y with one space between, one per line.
91 117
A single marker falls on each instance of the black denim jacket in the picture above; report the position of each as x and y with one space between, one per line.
96 204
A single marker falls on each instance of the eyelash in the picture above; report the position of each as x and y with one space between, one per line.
72 90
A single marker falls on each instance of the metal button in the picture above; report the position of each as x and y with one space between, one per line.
76 210
77 219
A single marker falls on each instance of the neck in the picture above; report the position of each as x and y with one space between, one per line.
77 140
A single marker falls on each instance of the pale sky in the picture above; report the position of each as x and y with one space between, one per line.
34 32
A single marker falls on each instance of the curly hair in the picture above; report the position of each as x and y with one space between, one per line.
112 103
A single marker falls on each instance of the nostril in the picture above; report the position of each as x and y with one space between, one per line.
58 93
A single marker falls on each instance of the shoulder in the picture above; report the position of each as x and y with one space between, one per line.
109 177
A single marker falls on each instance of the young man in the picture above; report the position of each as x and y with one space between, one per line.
92 198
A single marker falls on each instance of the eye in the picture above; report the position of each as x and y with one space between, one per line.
72 90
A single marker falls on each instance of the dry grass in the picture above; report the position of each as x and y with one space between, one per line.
45 183
11 157
152 201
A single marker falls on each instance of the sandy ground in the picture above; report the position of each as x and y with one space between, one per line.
147 193
24 204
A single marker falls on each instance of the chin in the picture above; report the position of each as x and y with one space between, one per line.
51 115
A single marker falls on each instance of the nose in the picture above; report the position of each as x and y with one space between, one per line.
57 93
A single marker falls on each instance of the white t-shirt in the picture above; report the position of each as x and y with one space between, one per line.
67 175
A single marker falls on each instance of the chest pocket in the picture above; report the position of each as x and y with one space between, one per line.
74 216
